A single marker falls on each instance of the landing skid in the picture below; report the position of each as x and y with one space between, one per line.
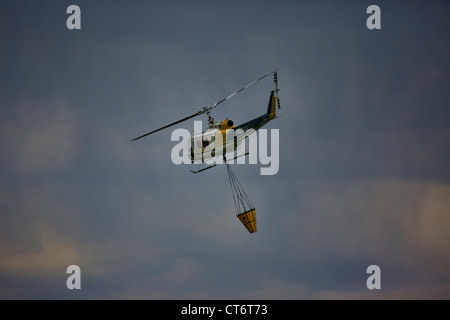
200 170
214 165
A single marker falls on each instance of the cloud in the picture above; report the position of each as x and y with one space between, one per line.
40 135
143 247
363 153
385 222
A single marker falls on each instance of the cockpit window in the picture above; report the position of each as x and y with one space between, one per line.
198 144
202 141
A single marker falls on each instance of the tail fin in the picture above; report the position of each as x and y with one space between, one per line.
271 108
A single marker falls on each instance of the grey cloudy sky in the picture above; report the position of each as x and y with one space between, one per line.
364 150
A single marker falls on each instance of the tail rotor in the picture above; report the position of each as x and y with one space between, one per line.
275 80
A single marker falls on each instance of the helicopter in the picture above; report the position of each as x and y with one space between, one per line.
213 141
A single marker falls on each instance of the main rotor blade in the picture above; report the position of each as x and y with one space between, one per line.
172 124
206 109
242 89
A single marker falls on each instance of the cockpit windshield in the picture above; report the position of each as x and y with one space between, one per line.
202 141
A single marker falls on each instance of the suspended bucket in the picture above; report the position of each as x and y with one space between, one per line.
245 210
248 219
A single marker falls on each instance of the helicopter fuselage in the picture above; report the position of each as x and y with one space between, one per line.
224 137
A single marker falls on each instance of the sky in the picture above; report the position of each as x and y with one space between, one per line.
364 127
